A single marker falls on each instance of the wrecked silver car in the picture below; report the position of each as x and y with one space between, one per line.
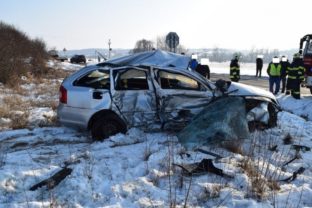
151 90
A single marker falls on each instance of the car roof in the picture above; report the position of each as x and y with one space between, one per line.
155 58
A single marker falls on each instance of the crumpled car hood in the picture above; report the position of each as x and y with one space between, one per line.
247 90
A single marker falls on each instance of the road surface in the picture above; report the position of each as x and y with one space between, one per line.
262 82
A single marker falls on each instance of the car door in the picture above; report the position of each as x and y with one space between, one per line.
180 96
91 91
134 96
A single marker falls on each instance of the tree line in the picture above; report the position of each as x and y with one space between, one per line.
148 45
215 54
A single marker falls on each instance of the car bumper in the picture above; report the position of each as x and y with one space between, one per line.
73 117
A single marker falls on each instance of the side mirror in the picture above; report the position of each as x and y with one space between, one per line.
222 85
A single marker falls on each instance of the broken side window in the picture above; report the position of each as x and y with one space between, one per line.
132 79
98 79
169 80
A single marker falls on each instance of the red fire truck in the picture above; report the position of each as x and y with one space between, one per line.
305 50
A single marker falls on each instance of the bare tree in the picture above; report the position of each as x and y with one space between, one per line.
181 49
161 44
143 45
215 54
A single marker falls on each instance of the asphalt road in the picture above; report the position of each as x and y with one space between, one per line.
262 82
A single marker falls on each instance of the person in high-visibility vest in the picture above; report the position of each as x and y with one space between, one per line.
234 69
274 72
295 76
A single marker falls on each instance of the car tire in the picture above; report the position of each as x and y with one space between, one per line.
106 126
310 90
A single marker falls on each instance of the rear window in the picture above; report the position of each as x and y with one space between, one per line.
98 79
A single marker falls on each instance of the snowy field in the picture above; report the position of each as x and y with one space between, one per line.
245 68
136 169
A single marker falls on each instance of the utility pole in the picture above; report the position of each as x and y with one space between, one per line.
109 48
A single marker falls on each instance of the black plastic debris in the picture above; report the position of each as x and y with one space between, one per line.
54 180
294 175
209 153
203 167
298 147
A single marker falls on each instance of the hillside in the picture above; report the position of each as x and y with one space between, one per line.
20 55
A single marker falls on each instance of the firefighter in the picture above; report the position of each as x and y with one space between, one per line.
285 64
234 69
295 76
274 72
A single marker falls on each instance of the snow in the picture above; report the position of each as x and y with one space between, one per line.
41 116
64 65
300 107
245 68
136 169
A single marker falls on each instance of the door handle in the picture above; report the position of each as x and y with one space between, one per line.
97 95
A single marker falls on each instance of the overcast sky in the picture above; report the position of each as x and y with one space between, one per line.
235 24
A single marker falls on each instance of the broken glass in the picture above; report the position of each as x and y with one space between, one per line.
223 119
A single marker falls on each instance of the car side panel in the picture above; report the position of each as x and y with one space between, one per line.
74 117
177 107
138 108
82 97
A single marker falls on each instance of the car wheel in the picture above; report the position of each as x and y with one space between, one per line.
109 125
311 90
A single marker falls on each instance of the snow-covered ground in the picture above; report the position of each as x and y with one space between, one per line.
65 65
136 169
245 68
302 107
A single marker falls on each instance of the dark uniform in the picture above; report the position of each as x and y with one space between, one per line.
259 65
274 72
203 70
285 65
234 70
295 76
